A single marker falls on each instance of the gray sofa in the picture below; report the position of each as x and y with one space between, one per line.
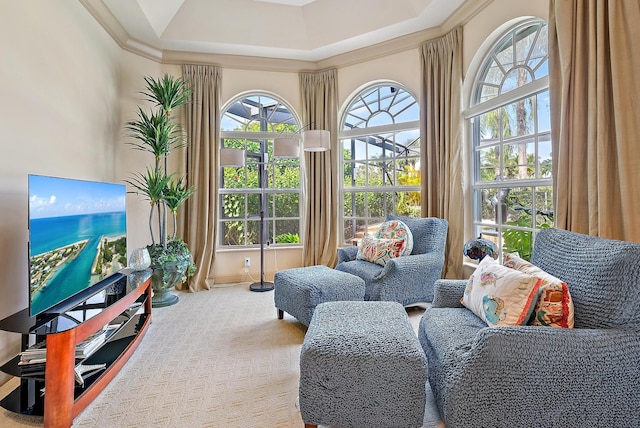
526 376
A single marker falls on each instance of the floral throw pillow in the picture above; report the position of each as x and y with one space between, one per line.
500 295
379 251
554 307
396 229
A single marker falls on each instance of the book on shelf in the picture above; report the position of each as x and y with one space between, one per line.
37 354
90 344
33 370
84 371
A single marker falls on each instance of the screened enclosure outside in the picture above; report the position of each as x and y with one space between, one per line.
380 142
251 123
511 135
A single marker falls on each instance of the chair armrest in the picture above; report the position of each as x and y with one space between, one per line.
528 368
448 292
414 264
408 279
587 359
347 254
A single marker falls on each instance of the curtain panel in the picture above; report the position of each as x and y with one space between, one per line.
202 125
320 180
441 135
594 59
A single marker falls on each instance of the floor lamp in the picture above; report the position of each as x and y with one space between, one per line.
282 148
262 285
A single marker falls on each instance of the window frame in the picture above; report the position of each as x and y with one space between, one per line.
254 161
534 89
364 220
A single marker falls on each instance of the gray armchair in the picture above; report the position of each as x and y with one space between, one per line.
524 376
407 279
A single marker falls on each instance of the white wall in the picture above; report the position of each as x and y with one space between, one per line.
59 115
402 67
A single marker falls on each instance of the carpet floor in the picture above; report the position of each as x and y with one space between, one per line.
218 358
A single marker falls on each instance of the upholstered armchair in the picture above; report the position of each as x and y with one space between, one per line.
528 375
407 279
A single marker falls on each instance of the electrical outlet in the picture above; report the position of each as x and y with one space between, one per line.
247 261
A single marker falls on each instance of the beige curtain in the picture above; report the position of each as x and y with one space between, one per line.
202 124
320 188
441 135
594 61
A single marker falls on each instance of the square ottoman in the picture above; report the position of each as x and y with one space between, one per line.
298 291
361 365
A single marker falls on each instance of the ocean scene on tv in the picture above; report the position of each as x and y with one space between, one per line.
77 237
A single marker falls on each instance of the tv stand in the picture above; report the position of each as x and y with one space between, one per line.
127 312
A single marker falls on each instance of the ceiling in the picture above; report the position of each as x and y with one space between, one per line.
308 30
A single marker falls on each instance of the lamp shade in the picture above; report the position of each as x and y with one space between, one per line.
316 140
286 147
231 157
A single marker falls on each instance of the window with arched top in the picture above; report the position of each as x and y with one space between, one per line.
510 121
250 123
380 141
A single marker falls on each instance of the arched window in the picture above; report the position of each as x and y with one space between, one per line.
380 139
251 122
511 134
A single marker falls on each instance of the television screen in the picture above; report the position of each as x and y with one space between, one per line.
77 237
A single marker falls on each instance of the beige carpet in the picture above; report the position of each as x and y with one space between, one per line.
219 358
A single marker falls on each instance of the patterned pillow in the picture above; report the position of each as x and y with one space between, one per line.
379 251
500 295
396 229
554 307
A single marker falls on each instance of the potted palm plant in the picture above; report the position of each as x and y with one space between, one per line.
157 133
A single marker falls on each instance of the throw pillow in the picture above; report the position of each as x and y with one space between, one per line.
423 229
379 251
396 229
500 295
554 307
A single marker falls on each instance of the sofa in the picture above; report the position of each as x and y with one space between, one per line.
407 279
528 375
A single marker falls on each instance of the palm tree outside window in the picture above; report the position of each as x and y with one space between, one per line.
511 134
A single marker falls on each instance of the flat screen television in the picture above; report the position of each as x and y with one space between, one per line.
77 238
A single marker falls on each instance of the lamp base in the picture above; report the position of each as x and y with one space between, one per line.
261 286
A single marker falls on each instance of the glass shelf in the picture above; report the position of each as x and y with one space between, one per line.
90 302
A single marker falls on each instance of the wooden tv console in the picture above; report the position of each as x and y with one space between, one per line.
123 306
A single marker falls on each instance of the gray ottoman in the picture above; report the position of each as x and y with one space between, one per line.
361 365
298 291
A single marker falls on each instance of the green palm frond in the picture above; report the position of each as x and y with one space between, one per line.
168 92
176 192
155 133
152 184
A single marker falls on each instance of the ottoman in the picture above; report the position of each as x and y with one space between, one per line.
361 365
298 291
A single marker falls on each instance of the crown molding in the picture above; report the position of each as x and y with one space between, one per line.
381 50
105 18
464 14
460 16
237 61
